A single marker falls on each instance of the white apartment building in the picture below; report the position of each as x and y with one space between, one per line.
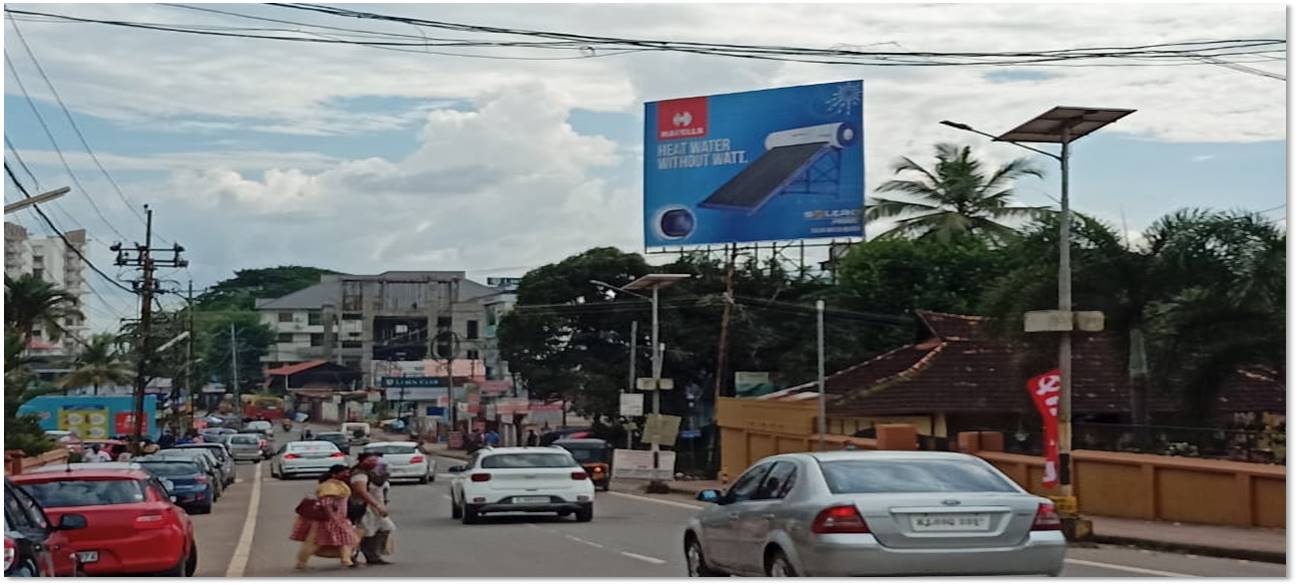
52 260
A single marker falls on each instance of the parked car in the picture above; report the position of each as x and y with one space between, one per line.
337 438
855 513
546 439
206 462
214 434
191 488
521 479
246 447
297 458
130 524
595 455
222 453
35 546
404 460
260 426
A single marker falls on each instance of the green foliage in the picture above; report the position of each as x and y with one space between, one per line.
24 434
241 292
31 301
100 363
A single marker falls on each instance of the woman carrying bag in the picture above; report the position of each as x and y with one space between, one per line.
322 526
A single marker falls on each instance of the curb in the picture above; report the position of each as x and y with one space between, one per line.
1194 549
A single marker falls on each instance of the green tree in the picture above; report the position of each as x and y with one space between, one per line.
98 364
954 199
31 301
21 432
241 292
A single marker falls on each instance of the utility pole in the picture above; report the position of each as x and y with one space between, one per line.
821 423
630 376
189 360
234 364
142 257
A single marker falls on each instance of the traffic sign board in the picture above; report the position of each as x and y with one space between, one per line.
631 405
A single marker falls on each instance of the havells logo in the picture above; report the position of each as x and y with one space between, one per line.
684 118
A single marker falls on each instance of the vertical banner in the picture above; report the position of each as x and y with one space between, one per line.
1045 395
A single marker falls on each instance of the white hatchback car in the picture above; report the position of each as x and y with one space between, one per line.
305 458
521 480
404 460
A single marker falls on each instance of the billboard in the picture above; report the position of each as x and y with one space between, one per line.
92 417
777 164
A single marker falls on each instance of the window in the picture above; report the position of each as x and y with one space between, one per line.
76 493
35 516
317 339
38 274
284 338
38 259
899 477
491 316
443 322
746 486
351 345
14 515
527 460
391 450
314 318
778 482
471 354
471 329
172 468
351 316
286 317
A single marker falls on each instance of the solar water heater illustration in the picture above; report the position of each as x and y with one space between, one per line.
797 161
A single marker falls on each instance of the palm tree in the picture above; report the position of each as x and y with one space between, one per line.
31 301
99 363
954 199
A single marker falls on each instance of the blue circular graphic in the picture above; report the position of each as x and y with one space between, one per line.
675 223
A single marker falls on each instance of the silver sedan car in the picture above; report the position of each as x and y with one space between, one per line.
880 513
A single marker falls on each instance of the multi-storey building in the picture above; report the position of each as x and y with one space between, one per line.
53 261
356 320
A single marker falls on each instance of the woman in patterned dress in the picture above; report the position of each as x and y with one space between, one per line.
334 537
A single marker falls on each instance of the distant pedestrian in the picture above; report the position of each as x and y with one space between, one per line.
492 438
99 455
532 438
331 535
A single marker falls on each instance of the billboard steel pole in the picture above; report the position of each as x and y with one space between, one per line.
820 369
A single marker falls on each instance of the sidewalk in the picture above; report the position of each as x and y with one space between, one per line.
1257 544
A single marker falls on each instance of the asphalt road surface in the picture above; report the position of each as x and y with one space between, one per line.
631 536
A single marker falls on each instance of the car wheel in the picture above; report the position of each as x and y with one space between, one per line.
779 566
205 509
424 480
191 565
26 570
585 514
456 512
695 561
181 565
468 515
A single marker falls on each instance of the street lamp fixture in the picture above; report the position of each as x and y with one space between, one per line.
37 199
1060 125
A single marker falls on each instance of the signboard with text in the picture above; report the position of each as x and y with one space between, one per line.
776 164
632 464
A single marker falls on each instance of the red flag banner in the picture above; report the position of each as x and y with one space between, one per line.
1045 394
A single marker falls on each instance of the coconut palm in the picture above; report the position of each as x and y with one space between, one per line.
98 364
31 301
954 199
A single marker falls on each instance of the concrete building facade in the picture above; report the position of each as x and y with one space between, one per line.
357 320
53 261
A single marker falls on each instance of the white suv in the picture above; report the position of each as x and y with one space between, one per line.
521 479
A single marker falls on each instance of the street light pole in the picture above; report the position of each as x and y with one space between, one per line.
820 369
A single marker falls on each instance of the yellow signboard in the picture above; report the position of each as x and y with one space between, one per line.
87 423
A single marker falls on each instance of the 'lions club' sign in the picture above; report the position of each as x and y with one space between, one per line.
1045 394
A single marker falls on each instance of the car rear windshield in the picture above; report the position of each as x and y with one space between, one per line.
523 460
244 440
312 447
391 449
588 453
896 477
170 467
331 436
73 493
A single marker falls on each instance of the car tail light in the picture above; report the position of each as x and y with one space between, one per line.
840 520
291 456
150 521
337 455
201 479
11 552
417 459
1047 518
262 443
480 477
579 475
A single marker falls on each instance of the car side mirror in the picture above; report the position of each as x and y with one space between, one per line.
455 469
709 496
72 522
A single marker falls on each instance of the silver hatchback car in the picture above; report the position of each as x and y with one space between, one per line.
874 513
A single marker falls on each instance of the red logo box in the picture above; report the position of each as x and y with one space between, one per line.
683 118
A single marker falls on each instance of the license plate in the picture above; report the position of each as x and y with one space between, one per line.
532 500
88 556
950 522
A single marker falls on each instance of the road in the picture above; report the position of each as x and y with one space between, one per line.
631 536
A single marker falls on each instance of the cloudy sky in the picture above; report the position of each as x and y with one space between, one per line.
257 153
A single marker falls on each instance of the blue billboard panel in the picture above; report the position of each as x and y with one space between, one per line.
777 164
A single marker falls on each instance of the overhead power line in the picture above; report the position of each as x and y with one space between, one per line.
72 122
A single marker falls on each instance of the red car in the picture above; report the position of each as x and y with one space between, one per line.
132 526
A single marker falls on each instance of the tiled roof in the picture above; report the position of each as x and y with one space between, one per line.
297 368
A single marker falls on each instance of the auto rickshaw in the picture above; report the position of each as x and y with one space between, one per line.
595 455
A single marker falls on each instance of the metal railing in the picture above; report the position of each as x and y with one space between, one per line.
1235 444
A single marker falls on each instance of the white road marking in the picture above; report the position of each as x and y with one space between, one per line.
656 500
644 558
583 541
239 562
1126 568
447 496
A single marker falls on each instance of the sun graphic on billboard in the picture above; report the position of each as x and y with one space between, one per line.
845 98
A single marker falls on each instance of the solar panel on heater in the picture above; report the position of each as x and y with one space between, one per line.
765 177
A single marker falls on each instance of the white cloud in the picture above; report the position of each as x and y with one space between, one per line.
1202 157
